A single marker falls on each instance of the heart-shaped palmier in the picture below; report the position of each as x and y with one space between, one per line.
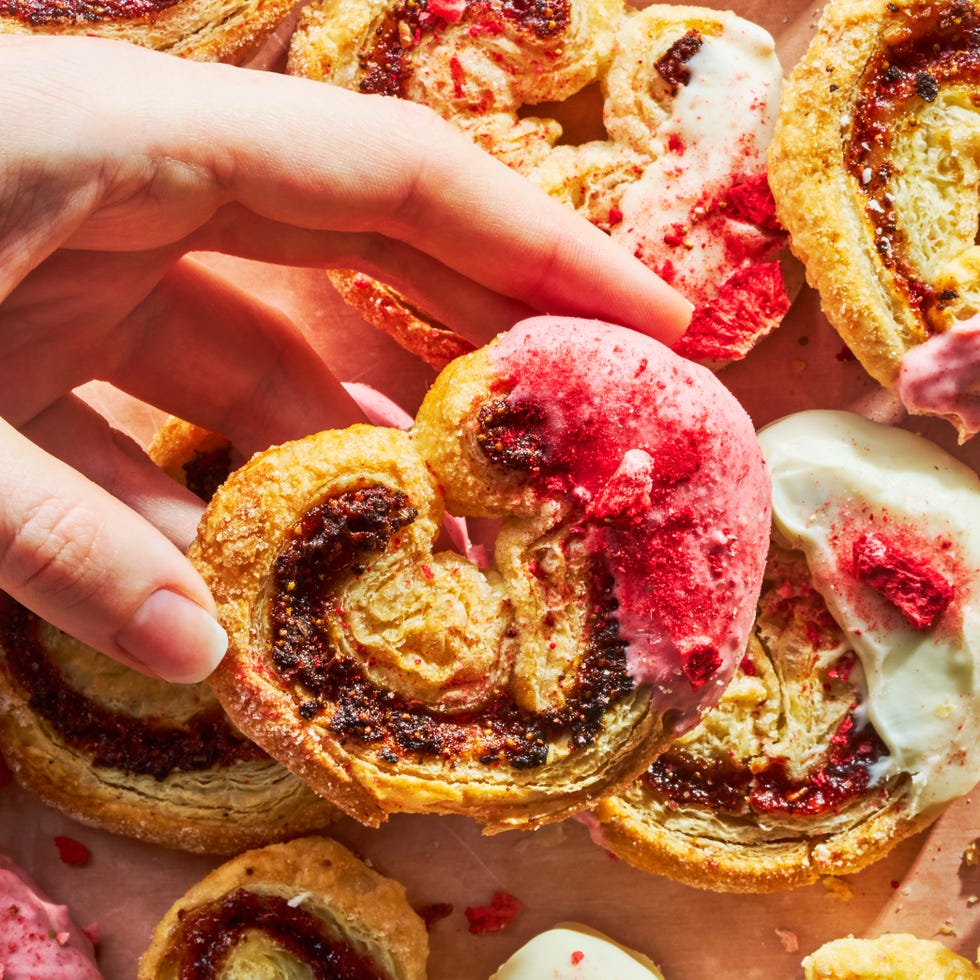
633 511
653 124
874 169
853 718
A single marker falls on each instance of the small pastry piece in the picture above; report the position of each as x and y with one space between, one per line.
874 170
634 517
306 909
38 939
574 952
674 169
854 716
132 754
204 30
895 956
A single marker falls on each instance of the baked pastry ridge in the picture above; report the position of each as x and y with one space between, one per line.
674 170
391 678
204 30
873 167
852 719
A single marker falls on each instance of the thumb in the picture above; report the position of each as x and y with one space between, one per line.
84 562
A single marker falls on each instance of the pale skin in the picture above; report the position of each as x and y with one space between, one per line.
116 163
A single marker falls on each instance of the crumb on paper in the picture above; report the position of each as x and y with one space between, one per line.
971 855
789 940
497 915
837 888
71 851
972 900
946 928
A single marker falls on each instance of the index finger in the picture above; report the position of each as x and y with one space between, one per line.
318 157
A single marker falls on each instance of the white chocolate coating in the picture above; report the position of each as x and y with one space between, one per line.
574 952
722 121
837 476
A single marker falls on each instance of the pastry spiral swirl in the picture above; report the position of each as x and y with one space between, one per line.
874 170
306 909
626 568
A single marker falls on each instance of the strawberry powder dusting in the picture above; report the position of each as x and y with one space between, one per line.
661 465
38 940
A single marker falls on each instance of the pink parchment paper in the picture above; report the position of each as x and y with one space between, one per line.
557 873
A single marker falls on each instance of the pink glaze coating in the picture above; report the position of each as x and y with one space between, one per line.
942 377
38 940
666 476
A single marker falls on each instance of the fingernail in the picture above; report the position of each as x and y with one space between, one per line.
174 638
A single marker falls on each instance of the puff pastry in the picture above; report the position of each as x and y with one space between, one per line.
853 717
131 754
874 170
674 169
308 908
894 956
391 678
205 30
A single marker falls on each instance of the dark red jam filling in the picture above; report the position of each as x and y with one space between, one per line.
145 747
511 435
727 786
207 469
386 64
39 13
929 47
336 538
672 65
790 607
910 584
210 933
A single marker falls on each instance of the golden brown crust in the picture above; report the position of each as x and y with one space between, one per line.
430 629
203 30
392 678
872 176
387 310
324 888
746 802
894 956
512 78
117 782
92 737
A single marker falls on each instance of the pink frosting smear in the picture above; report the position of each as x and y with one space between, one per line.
38 940
942 377
668 483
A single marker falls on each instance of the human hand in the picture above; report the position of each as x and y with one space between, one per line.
119 161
